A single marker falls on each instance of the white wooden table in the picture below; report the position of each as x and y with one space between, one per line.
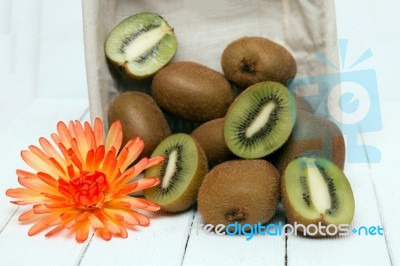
41 86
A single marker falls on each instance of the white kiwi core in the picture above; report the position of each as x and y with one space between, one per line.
144 41
318 188
261 119
170 169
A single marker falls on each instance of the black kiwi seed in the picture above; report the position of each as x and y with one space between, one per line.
135 34
331 189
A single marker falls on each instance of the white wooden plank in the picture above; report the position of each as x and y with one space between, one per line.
385 174
162 243
206 249
352 249
38 119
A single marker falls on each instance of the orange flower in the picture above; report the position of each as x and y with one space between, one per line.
86 183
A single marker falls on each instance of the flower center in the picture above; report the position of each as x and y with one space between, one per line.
87 190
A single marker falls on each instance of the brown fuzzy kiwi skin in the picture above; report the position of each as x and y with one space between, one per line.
293 216
311 136
249 60
246 191
139 116
210 135
192 91
302 104
189 197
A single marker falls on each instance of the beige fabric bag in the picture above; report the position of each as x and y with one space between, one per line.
204 29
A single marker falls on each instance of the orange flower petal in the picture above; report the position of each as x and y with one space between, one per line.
38 163
35 184
23 173
55 197
109 163
50 220
90 161
27 216
132 202
49 149
135 147
82 230
64 133
131 173
95 222
85 215
55 230
124 233
140 185
47 179
143 220
99 156
114 136
84 144
41 209
104 233
89 135
155 161
98 131
24 193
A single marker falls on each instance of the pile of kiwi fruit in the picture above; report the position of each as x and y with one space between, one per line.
236 157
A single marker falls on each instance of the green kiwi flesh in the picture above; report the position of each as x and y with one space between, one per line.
260 120
315 190
141 44
243 191
181 173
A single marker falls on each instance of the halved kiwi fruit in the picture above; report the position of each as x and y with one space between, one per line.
315 190
141 44
260 120
243 191
181 173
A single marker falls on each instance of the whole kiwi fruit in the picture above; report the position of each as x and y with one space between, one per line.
192 91
302 104
243 191
181 173
139 116
210 135
312 136
249 60
316 193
